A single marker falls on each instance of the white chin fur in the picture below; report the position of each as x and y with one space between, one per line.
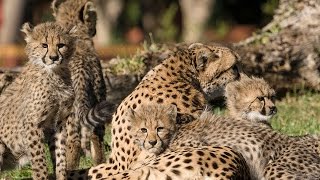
256 116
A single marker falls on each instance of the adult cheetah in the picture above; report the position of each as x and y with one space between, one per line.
87 79
186 79
39 100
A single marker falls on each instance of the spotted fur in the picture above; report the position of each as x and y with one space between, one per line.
150 135
186 163
298 157
252 99
39 100
87 81
187 79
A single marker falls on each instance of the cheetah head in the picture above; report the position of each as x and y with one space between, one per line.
215 67
251 98
153 126
48 44
80 12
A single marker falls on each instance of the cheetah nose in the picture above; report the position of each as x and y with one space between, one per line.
54 58
153 142
273 110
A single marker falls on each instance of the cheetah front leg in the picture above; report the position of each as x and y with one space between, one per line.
2 149
73 143
60 152
97 145
35 142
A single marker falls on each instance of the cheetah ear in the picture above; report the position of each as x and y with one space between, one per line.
231 88
201 61
132 115
195 45
90 17
55 6
27 28
172 112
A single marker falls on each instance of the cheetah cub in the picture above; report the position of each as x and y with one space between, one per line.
38 100
153 136
251 98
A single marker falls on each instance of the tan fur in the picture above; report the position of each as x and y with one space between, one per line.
153 136
187 79
87 79
264 149
76 12
188 164
251 98
39 100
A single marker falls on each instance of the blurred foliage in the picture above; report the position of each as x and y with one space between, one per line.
168 31
269 7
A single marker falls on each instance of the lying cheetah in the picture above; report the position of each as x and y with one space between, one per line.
185 163
153 129
186 79
87 78
39 100
259 144
251 98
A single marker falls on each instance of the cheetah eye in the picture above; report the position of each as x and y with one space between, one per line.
159 129
60 45
44 45
260 98
144 130
273 97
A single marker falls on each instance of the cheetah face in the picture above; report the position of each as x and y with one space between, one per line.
262 108
251 98
48 45
216 67
153 126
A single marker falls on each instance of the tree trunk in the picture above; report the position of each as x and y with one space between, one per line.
286 52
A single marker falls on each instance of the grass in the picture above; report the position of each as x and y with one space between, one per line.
298 114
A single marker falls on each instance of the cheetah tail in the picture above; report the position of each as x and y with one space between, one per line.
99 115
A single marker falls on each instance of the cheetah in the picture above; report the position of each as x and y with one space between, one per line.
178 163
39 100
153 135
87 79
251 98
259 144
188 79
185 163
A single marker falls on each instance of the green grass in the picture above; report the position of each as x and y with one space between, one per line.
298 114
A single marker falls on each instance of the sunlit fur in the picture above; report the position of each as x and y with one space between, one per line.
153 127
48 46
251 98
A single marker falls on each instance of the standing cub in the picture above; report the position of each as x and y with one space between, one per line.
39 100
